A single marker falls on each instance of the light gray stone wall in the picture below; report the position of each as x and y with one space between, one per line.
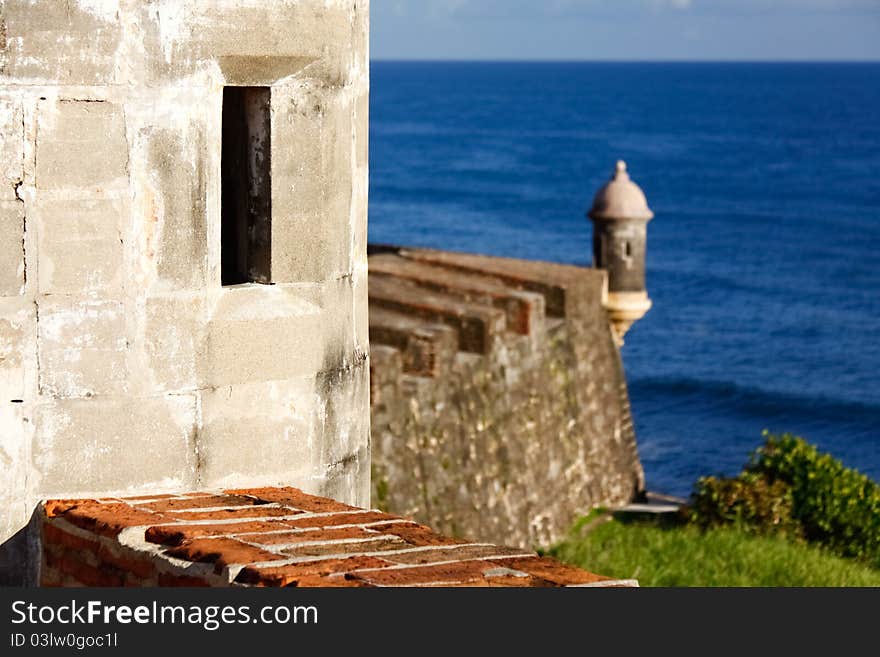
125 366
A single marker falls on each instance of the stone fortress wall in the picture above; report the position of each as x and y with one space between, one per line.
126 365
499 402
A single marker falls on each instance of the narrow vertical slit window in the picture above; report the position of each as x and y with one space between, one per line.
246 186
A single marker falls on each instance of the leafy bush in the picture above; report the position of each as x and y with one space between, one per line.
789 486
749 501
836 506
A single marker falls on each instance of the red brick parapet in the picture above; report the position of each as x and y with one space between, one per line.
272 537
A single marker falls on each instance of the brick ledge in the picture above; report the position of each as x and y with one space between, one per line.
273 537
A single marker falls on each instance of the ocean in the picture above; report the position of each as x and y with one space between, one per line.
763 258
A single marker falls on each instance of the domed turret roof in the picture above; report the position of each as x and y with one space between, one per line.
620 199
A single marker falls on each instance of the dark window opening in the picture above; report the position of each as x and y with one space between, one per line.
600 250
246 184
628 250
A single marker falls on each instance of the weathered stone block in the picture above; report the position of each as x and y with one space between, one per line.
345 323
115 444
360 182
14 476
63 42
13 443
345 428
261 70
70 134
175 341
362 119
361 308
264 28
311 184
11 147
347 482
12 266
182 38
263 333
282 423
16 349
174 182
82 347
80 246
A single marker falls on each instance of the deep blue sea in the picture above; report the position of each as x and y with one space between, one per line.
763 258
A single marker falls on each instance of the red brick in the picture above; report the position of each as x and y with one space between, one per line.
141 567
176 534
56 536
308 536
290 574
314 582
87 575
454 553
208 501
221 552
508 581
233 514
551 570
55 508
379 544
106 519
417 535
69 582
166 579
140 498
296 498
133 581
457 573
340 519
473 573
49 576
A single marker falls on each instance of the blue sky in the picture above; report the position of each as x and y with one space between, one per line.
626 29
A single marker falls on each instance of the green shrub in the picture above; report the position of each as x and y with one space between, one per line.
834 505
789 486
749 501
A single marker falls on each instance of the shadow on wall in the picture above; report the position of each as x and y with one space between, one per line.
20 556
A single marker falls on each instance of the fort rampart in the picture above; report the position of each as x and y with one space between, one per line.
499 402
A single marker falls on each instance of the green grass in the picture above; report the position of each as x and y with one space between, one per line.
687 556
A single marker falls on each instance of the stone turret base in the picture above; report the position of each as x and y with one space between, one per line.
624 310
